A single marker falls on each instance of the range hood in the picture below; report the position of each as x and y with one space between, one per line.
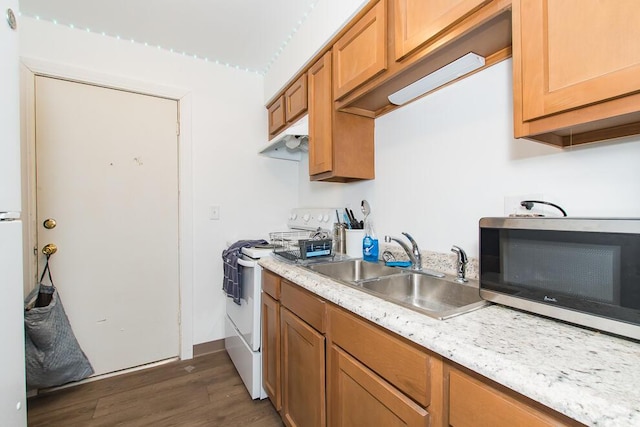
291 143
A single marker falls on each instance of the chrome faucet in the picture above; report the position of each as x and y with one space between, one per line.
413 253
461 264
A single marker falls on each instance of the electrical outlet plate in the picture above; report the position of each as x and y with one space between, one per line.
512 204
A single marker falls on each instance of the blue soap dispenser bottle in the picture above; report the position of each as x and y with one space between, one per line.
369 242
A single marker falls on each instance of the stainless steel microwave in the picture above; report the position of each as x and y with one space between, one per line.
581 270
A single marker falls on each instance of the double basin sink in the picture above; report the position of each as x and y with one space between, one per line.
437 297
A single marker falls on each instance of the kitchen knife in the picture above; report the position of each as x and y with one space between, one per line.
354 222
346 211
347 221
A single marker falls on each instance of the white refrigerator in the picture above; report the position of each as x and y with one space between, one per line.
13 408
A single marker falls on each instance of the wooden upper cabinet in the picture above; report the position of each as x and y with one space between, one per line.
579 57
288 107
424 36
295 99
361 53
577 52
416 22
340 144
320 116
277 119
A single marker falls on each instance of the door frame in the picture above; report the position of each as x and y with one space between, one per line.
32 67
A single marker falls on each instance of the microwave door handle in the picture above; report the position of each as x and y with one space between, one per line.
248 264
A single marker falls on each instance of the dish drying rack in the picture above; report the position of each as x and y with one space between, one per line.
301 245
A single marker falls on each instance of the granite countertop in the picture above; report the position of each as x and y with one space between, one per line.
591 377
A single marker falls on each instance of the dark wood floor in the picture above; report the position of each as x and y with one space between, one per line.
205 391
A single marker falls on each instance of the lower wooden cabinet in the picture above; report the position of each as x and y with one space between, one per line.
402 365
325 366
271 349
303 373
293 351
359 397
377 378
476 402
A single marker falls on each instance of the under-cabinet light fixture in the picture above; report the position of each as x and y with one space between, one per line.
440 77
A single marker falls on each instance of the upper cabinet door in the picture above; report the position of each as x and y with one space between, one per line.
295 99
320 116
576 53
418 21
276 116
361 53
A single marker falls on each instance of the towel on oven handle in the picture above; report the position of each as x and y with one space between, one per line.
232 280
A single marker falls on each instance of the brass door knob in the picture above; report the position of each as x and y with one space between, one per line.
49 223
49 249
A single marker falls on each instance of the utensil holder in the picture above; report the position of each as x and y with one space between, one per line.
354 243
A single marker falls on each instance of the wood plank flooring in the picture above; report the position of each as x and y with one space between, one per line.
204 391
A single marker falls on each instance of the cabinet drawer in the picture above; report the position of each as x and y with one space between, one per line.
399 363
304 305
475 403
271 284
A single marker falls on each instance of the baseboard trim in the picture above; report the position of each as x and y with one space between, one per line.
208 347
35 392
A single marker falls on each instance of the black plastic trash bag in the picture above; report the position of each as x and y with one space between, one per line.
52 354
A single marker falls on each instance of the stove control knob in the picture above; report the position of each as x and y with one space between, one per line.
293 216
325 218
306 217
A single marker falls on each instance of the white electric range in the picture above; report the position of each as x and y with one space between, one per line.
242 324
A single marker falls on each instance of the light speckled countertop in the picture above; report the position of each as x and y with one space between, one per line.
591 377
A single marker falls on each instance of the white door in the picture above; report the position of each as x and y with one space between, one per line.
107 173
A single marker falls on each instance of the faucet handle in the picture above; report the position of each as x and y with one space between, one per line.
412 240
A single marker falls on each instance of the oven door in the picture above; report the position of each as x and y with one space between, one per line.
246 316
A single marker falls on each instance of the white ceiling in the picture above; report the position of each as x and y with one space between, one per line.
248 34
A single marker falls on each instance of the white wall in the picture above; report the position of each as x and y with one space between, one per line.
228 126
449 159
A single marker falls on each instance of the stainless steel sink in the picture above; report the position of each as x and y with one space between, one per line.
353 270
440 298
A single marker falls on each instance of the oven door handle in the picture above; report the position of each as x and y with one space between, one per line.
248 264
